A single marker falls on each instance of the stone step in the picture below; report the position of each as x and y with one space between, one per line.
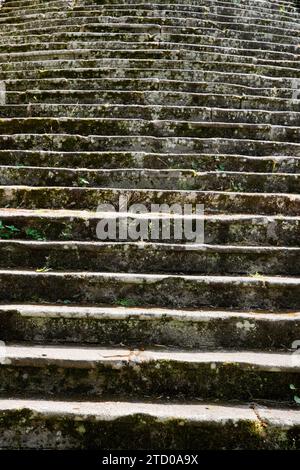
128 46
146 112
238 229
164 179
34 24
155 128
222 202
143 56
70 372
15 69
211 32
188 75
279 13
222 16
150 98
40 424
147 257
143 160
55 85
122 37
161 290
180 145
136 327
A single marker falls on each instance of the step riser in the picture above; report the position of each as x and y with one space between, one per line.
229 333
91 198
161 65
152 98
135 127
124 258
158 378
118 37
111 160
246 231
166 292
236 182
184 146
246 77
66 431
14 88
148 113
119 46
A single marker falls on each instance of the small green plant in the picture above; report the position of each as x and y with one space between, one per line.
83 182
7 231
35 234
221 167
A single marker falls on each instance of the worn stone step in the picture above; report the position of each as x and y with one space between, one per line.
106 160
147 59
148 257
238 229
156 128
224 202
211 32
223 17
40 424
69 371
149 112
35 24
150 98
126 46
132 326
180 145
142 85
280 13
163 290
15 69
187 75
152 179
122 37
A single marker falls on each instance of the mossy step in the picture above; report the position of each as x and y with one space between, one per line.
152 179
40 424
117 372
267 27
227 202
156 128
227 16
120 36
287 13
92 21
147 257
133 326
146 84
151 98
163 290
129 73
109 160
127 46
176 67
180 145
238 229
212 32
144 56
148 112
209 33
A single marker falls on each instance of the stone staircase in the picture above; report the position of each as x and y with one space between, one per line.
149 344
